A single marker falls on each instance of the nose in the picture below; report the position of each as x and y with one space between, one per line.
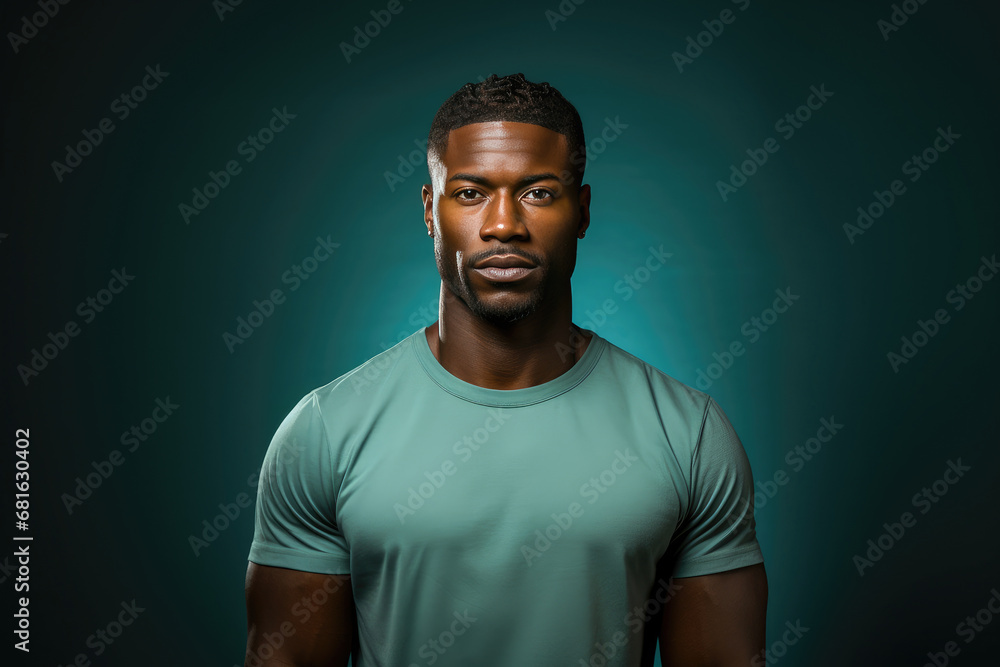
503 220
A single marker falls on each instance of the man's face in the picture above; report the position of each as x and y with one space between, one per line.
497 191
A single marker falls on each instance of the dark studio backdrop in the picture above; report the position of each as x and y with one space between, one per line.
855 352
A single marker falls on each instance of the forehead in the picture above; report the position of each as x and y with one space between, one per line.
504 145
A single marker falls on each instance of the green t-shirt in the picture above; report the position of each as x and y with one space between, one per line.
535 526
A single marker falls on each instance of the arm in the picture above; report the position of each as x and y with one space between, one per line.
716 620
717 616
298 619
299 598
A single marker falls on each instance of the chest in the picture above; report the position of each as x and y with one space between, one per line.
513 488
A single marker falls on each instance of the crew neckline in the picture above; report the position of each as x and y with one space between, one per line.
506 397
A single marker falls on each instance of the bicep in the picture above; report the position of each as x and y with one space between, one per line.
715 620
298 619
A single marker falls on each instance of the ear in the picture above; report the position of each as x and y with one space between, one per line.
427 196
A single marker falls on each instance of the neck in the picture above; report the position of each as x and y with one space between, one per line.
529 352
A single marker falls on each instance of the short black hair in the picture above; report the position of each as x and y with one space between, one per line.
515 99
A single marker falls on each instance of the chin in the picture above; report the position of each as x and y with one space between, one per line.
505 311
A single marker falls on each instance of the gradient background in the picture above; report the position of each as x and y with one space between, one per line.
325 175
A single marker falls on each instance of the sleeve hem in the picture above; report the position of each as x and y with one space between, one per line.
731 560
274 556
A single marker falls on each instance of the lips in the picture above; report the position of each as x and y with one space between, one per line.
504 268
504 262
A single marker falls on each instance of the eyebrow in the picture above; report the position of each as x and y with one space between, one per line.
527 180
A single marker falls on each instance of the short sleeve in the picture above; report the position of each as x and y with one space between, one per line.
718 531
295 524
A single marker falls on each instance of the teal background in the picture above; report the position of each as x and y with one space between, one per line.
324 175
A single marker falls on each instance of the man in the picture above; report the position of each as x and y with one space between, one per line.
503 488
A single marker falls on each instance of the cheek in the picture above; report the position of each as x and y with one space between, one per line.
449 252
564 260
458 236
560 244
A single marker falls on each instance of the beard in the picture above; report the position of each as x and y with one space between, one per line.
503 305
501 310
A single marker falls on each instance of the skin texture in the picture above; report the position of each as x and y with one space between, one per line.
298 619
501 188
716 620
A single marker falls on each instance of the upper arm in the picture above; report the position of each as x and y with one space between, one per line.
296 524
716 620
300 603
298 619
717 616
717 531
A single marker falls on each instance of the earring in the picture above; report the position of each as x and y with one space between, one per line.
582 234
430 232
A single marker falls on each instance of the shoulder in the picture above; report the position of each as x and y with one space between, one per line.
343 401
640 378
360 385
684 425
693 424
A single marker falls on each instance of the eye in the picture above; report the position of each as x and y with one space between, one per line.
460 194
543 194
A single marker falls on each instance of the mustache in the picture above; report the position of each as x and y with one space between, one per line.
494 252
